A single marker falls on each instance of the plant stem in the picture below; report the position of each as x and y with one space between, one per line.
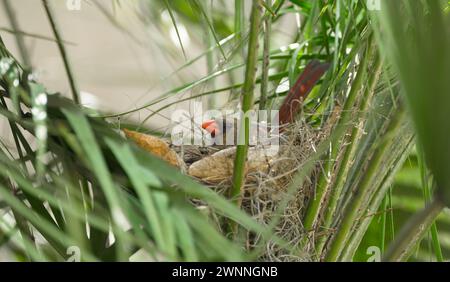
363 192
427 198
383 223
400 152
413 231
247 101
18 35
209 40
62 50
315 206
210 24
21 222
266 60
239 19
172 17
336 37
436 243
348 159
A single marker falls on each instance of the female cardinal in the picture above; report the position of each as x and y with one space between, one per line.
218 128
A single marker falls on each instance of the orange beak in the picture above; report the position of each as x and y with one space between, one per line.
211 126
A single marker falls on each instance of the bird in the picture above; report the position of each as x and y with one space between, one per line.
214 164
219 127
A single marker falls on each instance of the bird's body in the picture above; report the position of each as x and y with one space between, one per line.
215 163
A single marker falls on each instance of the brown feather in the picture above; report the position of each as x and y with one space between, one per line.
305 83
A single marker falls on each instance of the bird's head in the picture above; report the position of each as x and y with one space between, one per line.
218 127
211 126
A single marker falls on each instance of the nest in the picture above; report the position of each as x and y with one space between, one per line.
263 198
268 177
